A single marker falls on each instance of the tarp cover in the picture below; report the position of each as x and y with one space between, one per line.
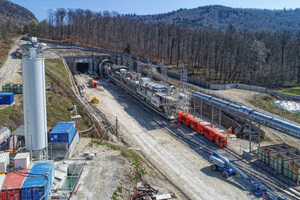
290 106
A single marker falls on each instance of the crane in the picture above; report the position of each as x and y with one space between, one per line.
227 168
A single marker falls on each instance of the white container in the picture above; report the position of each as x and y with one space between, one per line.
4 162
2 178
22 160
73 144
34 100
5 133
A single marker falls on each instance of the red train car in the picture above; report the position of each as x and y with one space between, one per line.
187 120
213 135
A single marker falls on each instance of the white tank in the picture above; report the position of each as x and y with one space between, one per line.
34 100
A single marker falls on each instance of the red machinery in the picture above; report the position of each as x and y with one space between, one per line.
93 83
213 135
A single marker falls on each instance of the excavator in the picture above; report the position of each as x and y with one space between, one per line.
223 164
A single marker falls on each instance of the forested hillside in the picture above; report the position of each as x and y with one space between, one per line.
220 56
13 18
219 17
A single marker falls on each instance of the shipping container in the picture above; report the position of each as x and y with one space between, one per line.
11 186
39 183
4 162
62 150
6 98
22 160
63 132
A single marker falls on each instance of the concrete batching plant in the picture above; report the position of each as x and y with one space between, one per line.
34 97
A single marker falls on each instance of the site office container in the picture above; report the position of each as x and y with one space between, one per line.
39 183
11 186
22 160
6 98
4 161
63 132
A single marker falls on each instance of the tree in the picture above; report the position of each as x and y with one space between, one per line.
127 49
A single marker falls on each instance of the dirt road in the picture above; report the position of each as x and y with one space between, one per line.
181 165
9 70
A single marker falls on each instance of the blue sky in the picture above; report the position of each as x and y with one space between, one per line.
40 7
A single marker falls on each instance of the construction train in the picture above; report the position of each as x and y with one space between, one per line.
203 128
164 99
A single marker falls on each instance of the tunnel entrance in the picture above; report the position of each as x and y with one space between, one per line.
83 67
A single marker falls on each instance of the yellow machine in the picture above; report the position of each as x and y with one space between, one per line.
95 100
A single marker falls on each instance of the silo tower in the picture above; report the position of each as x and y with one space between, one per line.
34 100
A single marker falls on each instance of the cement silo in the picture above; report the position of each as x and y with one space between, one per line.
34 100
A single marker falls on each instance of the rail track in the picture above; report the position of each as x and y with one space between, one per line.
251 169
94 114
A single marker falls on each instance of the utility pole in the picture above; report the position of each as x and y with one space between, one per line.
117 127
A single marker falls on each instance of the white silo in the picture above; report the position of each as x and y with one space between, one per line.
34 100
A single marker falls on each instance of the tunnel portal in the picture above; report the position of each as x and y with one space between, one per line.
83 67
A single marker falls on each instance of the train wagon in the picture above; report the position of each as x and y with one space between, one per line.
203 129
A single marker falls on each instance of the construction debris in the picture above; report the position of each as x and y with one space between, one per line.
148 192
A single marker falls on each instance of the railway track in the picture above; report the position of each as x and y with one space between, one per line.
258 173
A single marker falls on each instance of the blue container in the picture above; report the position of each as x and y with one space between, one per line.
6 98
63 132
39 181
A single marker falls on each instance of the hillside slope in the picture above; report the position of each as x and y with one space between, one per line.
15 12
220 17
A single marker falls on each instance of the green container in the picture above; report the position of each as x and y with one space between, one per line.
276 162
291 169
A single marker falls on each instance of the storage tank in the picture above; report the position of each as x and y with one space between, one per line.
34 100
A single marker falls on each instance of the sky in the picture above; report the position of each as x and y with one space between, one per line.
142 7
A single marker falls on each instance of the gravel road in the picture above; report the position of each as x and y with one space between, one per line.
9 70
181 165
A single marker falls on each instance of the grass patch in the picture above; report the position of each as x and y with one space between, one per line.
56 66
5 44
132 157
265 102
58 105
292 91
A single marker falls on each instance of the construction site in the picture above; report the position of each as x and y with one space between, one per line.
135 130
